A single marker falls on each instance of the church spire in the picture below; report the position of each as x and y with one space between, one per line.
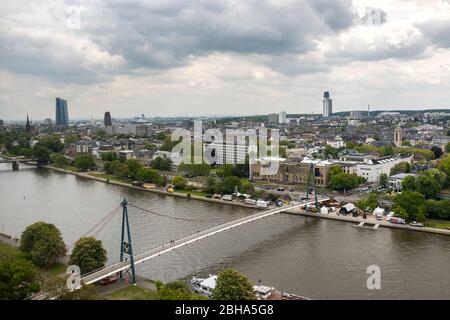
28 126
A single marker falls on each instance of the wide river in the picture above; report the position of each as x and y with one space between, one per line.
317 258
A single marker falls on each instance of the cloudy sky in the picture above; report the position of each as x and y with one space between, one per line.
205 57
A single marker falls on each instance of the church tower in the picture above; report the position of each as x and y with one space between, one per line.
398 137
28 126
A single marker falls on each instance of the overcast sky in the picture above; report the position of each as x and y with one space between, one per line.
211 57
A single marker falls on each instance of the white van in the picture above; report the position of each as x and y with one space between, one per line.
262 204
227 197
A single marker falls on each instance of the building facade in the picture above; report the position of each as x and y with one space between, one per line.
372 169
292 172
62 114
282 117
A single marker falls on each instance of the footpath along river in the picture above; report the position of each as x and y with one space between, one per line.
317 258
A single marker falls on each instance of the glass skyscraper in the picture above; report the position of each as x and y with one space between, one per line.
62 115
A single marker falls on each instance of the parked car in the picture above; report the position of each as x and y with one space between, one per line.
416 224
109 280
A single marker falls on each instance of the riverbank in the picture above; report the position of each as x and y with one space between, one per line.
370 220
157 191
332 216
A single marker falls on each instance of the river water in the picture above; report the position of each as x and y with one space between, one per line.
317 258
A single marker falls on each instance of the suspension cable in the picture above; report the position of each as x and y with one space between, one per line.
166 215
99 225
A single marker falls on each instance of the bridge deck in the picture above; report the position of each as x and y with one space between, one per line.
152 253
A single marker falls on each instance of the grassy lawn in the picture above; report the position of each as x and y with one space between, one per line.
10 250
440 224
111 177
194 193
55 269
131 293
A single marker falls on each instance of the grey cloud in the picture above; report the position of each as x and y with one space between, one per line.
337 15
165 34
438 31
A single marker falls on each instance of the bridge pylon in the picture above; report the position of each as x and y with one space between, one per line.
311 184
126 247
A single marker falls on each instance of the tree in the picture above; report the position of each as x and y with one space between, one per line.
210 185
247 187
437 151
384 180
371 201
179 182
149 175
43 242
447 147
195 170
52 143
437 209
89 254
41 154
402 167
161 164
413 203
231 285
437 175
118 168
168 144
229 183
428 186
133 167
109 156
343 181
409 183
18 278
444 166
84 162
59 160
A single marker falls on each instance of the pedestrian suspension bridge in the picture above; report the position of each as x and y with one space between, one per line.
128 259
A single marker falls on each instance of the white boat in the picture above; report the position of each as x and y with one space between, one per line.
204 286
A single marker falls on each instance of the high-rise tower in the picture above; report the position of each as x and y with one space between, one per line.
62 114
108 120
327 105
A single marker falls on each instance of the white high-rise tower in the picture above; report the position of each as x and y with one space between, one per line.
327 105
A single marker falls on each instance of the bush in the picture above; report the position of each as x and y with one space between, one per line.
179 182
18 278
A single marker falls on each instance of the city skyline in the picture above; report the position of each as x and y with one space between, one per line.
241 57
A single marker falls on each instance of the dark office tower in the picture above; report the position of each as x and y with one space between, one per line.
62 115
108 121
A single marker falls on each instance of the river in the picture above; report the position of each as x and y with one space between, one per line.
317 258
